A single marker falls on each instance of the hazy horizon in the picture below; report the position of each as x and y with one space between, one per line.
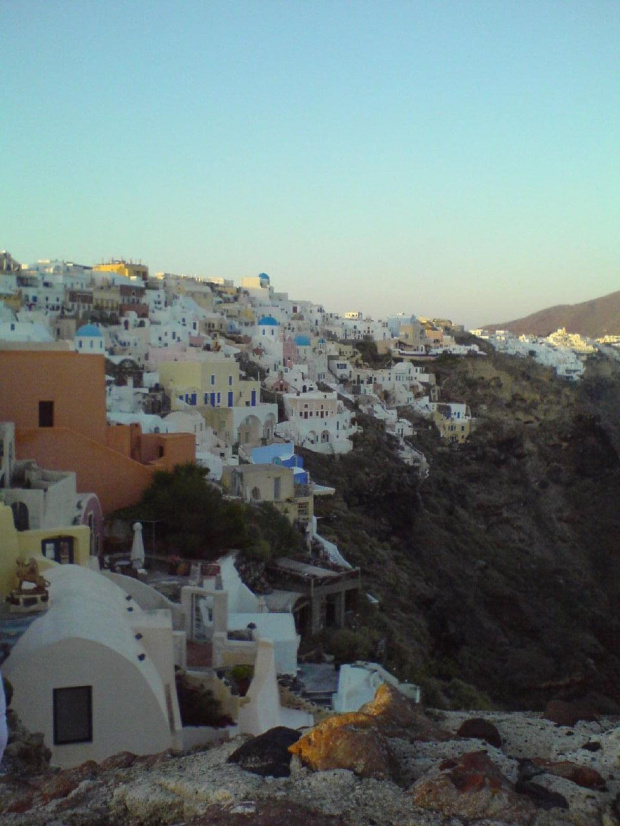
456 159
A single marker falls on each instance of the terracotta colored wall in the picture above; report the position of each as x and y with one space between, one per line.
116 479
118 437
178 449
75 384
125 439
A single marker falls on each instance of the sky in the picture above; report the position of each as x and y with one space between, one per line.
449 158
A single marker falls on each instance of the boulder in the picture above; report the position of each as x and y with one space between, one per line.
348 741
393 712
564 713
267 754
581 775
541 797
481 729
264 813
473 788
25 753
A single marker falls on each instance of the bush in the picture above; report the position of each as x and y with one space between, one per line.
197 705
242 676
348 646
432 694
197 521
466 697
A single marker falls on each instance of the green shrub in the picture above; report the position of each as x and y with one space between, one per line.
197 705
466 697
242 675
432 694
348 646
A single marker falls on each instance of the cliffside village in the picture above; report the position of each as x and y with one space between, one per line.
107 375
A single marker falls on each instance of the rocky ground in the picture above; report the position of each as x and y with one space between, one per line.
390 764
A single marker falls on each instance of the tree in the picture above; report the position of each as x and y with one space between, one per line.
196 521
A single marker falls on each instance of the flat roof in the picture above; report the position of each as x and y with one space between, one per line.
305 569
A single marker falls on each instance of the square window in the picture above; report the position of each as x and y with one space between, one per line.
73 715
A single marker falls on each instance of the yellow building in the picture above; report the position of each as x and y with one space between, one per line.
13 300
454 422
411 332
238 312
215 380
138 272
50 547
271 483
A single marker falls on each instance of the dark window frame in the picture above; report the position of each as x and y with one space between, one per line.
65 741
46 413
59 551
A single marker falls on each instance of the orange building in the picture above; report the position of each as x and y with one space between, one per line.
58 403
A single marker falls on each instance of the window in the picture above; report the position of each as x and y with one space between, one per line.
46 414
276 488
59 548
73 715
212 379
21 516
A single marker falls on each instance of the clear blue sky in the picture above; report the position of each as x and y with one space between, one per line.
445 157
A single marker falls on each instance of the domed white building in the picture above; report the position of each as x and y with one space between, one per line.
89 339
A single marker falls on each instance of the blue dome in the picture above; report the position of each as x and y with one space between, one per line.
268 321
302 341
90 330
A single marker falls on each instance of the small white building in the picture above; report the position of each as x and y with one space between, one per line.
18 331
95 673
318 421
358 684
89 339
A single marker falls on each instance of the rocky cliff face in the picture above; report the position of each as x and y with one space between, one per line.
502 571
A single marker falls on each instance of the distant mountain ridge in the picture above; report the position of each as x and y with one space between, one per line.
595 318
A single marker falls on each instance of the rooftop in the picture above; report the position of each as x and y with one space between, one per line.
90 330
